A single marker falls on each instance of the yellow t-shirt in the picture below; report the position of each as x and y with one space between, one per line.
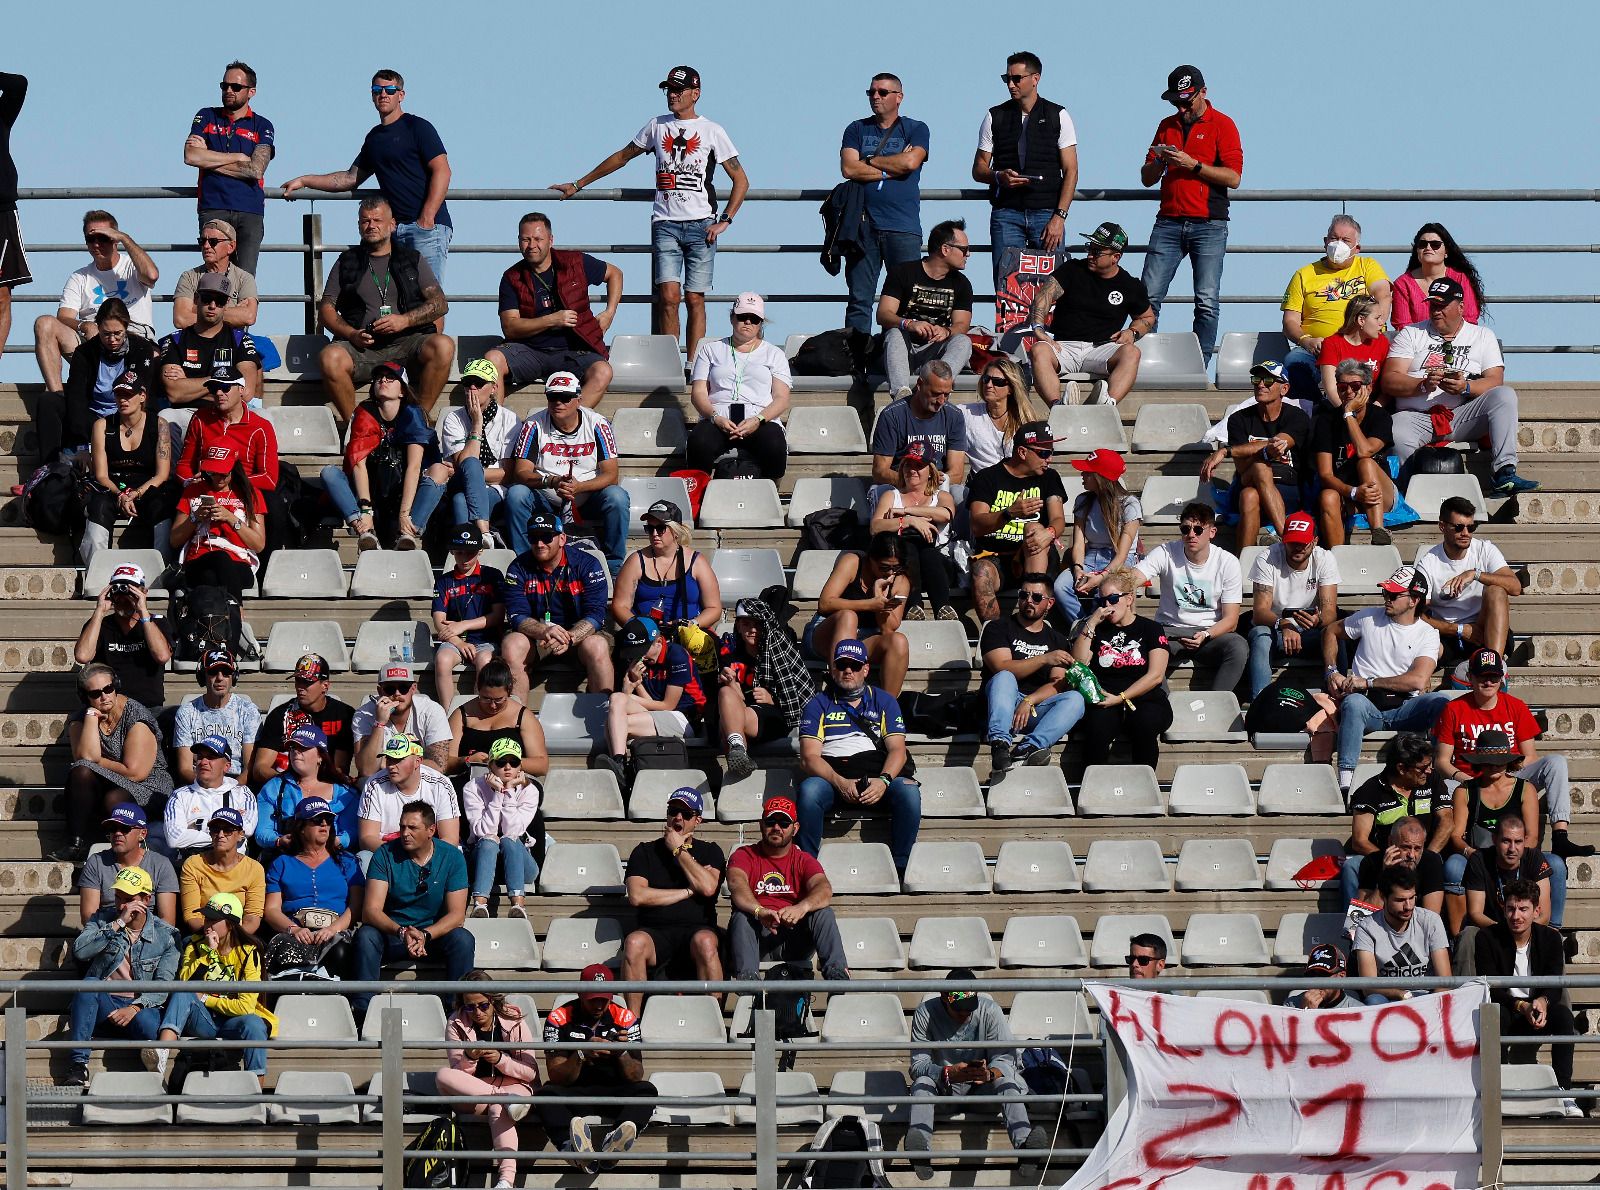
199 882
1320 292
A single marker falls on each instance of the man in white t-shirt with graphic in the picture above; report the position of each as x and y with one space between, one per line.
1446 378
1294 595
117 268
1386 688
1201 590
684 224
1472 582
399 710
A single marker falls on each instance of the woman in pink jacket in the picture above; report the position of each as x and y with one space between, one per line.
502 808
485 1016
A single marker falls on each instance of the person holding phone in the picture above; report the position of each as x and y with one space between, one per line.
865 600
740 388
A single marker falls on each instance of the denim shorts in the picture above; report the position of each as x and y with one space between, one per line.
679 252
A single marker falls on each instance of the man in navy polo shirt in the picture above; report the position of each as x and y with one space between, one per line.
231 146
555 605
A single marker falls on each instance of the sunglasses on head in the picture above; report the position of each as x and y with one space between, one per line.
382 89
393 689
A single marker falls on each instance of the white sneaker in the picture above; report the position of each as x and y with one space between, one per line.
502 1184
620 1139
902 392
1570 1109
479 909
155 1059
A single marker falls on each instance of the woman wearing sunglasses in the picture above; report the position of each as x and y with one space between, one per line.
502 808
1435 254
493 714
485 1016
740 389
865 599
116 757
993 420
1361 338
920 512
130 468
1351 446
1128 654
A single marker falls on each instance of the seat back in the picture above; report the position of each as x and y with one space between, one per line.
1243 350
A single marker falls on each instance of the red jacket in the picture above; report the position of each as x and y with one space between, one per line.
252 437
571 288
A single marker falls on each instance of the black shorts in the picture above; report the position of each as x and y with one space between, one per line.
528 364
13 257
672 947
770 724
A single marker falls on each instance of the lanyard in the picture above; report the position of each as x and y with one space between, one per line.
381 286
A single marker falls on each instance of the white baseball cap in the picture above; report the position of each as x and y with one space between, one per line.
750 303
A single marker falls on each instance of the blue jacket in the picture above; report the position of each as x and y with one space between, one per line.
152 955
275 806
574 590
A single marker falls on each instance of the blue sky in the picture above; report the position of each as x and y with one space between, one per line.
526 95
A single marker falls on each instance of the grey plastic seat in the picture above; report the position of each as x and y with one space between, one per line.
745 573
811 571
572 943
812 494
1050 1016
1299 789
1211 789
868 1082
645 490
1362 567
499 559
312 1088
795 1083
1242 350
375 639
860 868
1289 856
583 793
1217 865
392 574
1126 865
955 867
1031 792
421 1017
944 943
1122 790
588 869
1165 496
1530 1076
305 574
1036 865
937 645
1109 946
142 1084
865 1016
650 433
1224 940
300 356
741 801
741 504
1048 940
644 363
108 559
417 1082
205 1092
1426 492
1171 359
1280 741
1206 717
683 1018
825 430
293 639
315 1017
793 344
652 788
1079 429
1163 428
1297 933
690 1084
950 793
573 723
1247 559
305 430
504 943
872 943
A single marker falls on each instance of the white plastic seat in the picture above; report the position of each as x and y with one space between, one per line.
392 574
1126 865
305 430
312 1088
1224 940
645 490
293 639
1426 492
1289 856
1036 865
131 1084
1297 933
1362 567
305 574
811 494
1530 1076
950 793
588 869
504 943
944 943
573 723
745 573
375 639
1299 789
937 645
1050 1016
205 1094
108 559
1121 790
869 1082
1280 741
650 433
1028 791
498 559
683 1018
1207 717
1163 428
795 1083
1048 940
1164 497
1242 350
652 788
417 1082
644 363
954 867
865 1016
741 504
811 571
690 1084
315 1017
1246 995
741 801
825 430
1109 946
1171 359
583 793
1217 865
300 356
872 943
572 943
421 1017
1079 429
862 869
1211 789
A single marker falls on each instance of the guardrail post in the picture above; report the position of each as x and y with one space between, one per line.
16 1097
394 1099
1489 1095
765 1057
311 238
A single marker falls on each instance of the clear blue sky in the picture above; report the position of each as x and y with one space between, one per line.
1486 96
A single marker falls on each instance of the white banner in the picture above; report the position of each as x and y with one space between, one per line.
1230 1095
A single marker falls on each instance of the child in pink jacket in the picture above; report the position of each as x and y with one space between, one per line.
485 1016
501 808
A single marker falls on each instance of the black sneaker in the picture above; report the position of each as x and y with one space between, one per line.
77 1076
1025 753
1038 757
999 756
615 766
73 851
740 765
1567 849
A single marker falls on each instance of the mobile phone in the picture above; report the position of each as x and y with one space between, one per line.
897 599
208 501
736 412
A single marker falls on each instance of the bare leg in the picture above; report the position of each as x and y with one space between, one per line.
596 658
1259 476
445 660
1494 621
1330 512
707 958
1249 512
664 309
837 627
1046 372
433 359
1124 371
52 342
891 653
514 649
338 380
595 382
731 712
697 320
5 315
495 357
638 956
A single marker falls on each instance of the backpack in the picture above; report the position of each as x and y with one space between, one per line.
826 354
1433 460
937 715
432 1165
50 500
832 529
791 1011
207 617
1044 1071
846 1134
658 752
734 465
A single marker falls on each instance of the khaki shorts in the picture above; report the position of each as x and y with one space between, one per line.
1085 357
398 351
540 653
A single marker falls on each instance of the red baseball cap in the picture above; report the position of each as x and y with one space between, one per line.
596 973
218 459
1299 529
780 805
1105 463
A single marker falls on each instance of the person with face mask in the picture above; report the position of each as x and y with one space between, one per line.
1313 304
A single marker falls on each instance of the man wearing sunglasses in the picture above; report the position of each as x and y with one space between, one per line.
397 709
1017 510
117 268
555 607
231 146
402 781
1025 660
192 354
1473 581
127 830
926 309
1202 588
1078 314
190 807
218 710
1147 956
1264 437
310 704
218 243
782 901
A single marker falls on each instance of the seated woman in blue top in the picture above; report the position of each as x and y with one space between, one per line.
315 873
306 778
668 581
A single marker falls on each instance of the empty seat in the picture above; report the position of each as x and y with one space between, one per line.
741 504
1207 717
1079 429
799 1084
305 574
872 943
1120 789
1047 1016
392 574
937 644
421 1017
811 571
862 1083
645 490
859 868
293 639
1171 359
652 788
315 1017
504 944
1027 792
1165 496
1297 933
1224 940
650 433
1242 350
305 1095
1530 1076
1362 567
950 793
498 559
690 1084
1162 428
572 943
1289 856
1048 940
825 430
812 494
128 1084
1036 865
1211 789
744 574
107 560
1126 865
582 793
944 943
417 1082
573 723
305 430
1109 946
1299 789
206 1093
1217 865
587 869
644 363
376 641
864 1016
683 1018
741 801
956 867
299 356
1426 492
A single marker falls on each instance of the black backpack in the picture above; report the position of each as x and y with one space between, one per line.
734 465
847 1134
827 354
936 715
1434 460
658 752
832 529
791 1010
207 617
51 501
431 1165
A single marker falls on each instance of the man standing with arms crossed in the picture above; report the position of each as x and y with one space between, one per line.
231 146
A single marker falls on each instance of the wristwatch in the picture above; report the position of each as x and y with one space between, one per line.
1061 213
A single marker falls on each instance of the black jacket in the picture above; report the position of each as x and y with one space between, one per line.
1496 954
83 369
844 219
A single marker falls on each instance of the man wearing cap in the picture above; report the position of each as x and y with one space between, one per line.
555 606
123 633
1295 592
1201 592
672 884
224 867
1473 584
1025 666
926 416
1326 961
231 146
1197 158
416 904
926 309
123 941
398 709
1314 302
684 223
782 900
476 437
220 711
311 704
853 754
1263 440
218 243
191 355
190 806
615 1073
658 677
1017 514
281 796
224 420
1147 956
469 609
565 462
1386 687
1078 315
546 317
1446 378
403 780
126 832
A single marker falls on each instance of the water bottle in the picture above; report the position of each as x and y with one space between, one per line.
406 648
1081 678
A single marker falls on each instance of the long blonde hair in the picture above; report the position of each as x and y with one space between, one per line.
1109 495
1019 406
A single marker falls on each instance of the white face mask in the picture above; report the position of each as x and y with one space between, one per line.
1338 253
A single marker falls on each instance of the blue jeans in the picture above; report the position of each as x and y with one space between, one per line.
1357 717
1094 558
1264 645
878 249
187 1017
433 244
1350 878
521 867
1011 228
472 499
1305 376
679 252
1205 243
1455 870
1051 720
456 949
337 484
89 1013
604 510
904 800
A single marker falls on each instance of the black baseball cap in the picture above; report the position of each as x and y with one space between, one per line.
466 537
1486 662
225 376
1184 83
680 77
1108 235
664 511
1035 434
1445 290
546 522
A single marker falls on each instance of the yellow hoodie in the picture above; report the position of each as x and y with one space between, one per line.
201 961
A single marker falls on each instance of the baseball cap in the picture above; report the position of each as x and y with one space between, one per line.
1107 464
850 649
1269 369
1407 580
635 639
309 735
223 906
466 537
750 302
963 996
680 76
1299 529
390 368
1444 290
218 459
401 746
596 973
561 384
1108 235
228 815
217 744
503 748
225 376
1035 434
127 814
776 806
1486 662
479 369
213 283
746 609
312 807
134 881
545 522
687 797
396 673
664 511
1183 83
218 658
1325 959
129 382
129 574
223 226
916 451
312 667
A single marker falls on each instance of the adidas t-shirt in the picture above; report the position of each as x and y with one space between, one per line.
1404 954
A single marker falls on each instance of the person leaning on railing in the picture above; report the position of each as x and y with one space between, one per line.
485 1016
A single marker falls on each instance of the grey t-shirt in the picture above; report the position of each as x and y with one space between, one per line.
371 292
241 285
101 869
986 1023
1403 954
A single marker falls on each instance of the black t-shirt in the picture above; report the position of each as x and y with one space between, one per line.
1248 425
1023 645
334 720
1330 433
1285 704
655 864
924 299
198 355
1091 309
1484 874
1119 655
1430 872
1388 806
142 677
999 489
